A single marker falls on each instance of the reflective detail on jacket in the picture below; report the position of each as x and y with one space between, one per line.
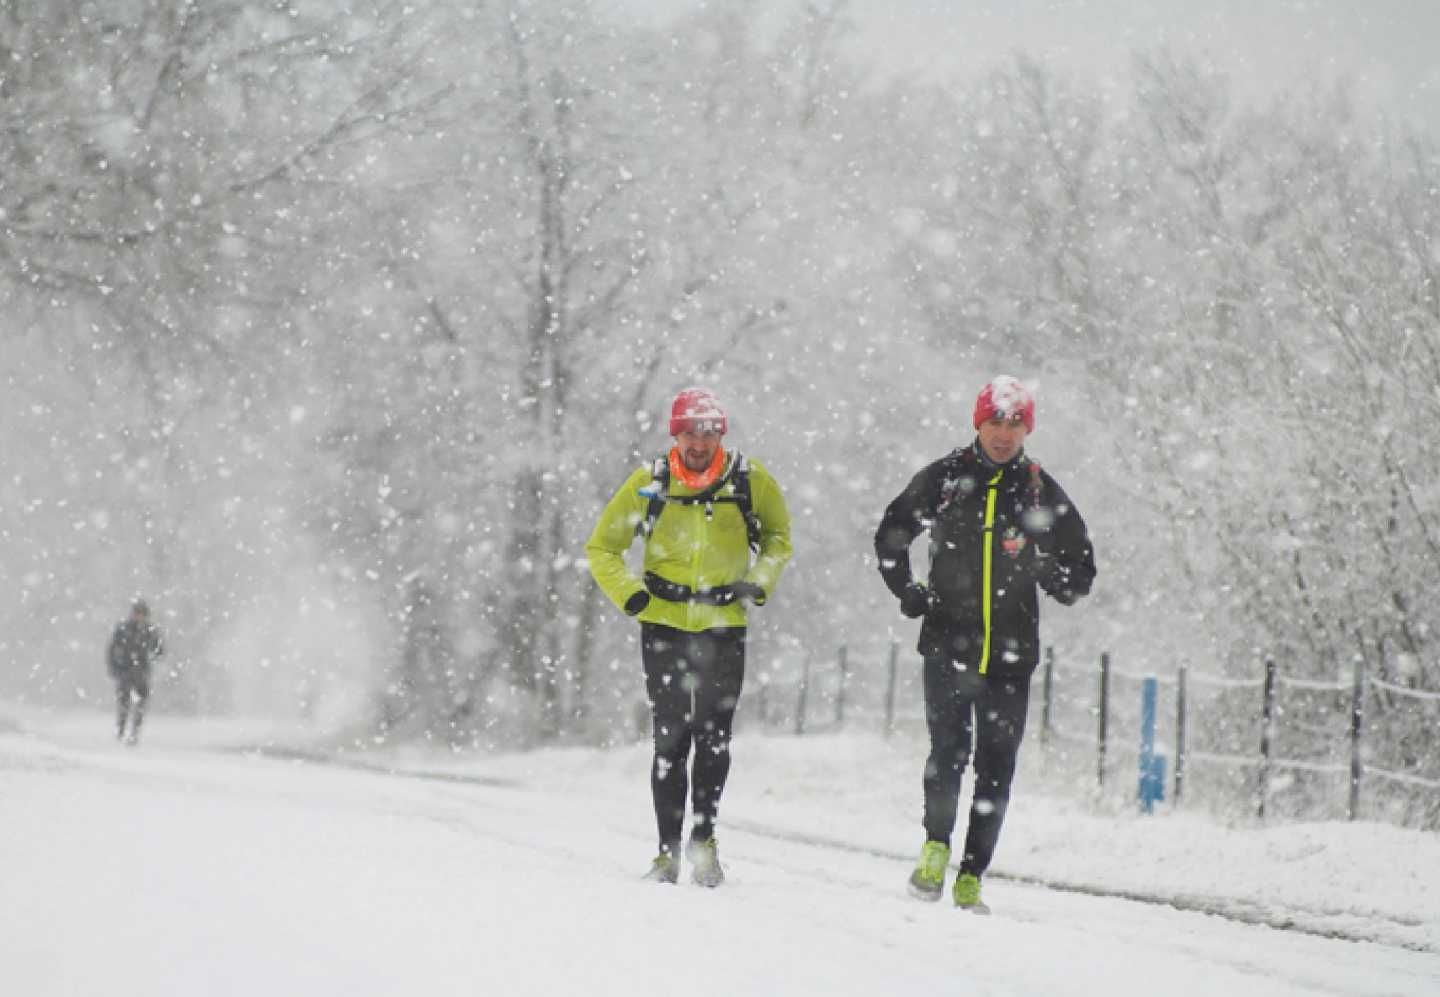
987 580
689 548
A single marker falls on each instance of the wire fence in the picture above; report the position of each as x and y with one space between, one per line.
1272 738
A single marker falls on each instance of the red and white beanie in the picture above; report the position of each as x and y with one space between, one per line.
1006 398
697 410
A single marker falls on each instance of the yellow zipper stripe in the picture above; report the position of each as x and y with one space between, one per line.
697 556
989 536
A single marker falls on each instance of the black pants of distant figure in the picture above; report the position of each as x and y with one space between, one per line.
132 689
990 711
693 681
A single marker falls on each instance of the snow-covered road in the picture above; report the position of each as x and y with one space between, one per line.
179 869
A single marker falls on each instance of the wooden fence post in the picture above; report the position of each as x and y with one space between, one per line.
1104 718
800 704
1357 725
1267 715
890 688
1048 690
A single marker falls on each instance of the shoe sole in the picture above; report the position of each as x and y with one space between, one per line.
925 895
980 909
707 878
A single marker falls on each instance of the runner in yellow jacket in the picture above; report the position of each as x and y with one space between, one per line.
716 535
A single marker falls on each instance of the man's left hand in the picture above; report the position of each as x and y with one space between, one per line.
749 591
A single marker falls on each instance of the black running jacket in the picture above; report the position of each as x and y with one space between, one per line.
996 533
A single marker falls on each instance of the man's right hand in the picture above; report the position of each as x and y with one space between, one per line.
915 600
635 605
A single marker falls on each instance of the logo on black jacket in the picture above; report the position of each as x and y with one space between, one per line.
1013 542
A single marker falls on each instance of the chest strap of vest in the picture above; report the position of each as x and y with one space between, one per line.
657 494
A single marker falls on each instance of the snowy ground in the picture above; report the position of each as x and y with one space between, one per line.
188 867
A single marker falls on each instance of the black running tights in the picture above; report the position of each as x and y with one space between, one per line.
958 710
693 681
132 691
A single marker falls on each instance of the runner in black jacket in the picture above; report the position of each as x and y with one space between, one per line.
134 645
999 527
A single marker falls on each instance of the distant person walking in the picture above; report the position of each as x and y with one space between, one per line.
716 535
999 527
133 647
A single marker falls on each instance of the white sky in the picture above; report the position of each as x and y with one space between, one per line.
1387 47
178 869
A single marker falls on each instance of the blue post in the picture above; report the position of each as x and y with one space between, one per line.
1152 765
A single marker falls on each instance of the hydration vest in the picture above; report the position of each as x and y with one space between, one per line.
737 474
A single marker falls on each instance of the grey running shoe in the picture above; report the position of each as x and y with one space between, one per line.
704 859
665 869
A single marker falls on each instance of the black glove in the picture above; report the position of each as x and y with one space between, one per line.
915 600
1052 577
635 605
750 591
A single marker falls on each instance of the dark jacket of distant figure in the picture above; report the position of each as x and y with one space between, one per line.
993 538
132 647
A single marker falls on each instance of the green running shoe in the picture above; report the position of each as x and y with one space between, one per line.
665 869
928 880
967 893
704 859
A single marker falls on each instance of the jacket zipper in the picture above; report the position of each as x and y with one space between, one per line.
989 559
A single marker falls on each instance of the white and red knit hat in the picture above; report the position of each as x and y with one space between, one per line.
697 409
1006 398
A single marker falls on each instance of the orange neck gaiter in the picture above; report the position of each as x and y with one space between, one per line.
696 480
